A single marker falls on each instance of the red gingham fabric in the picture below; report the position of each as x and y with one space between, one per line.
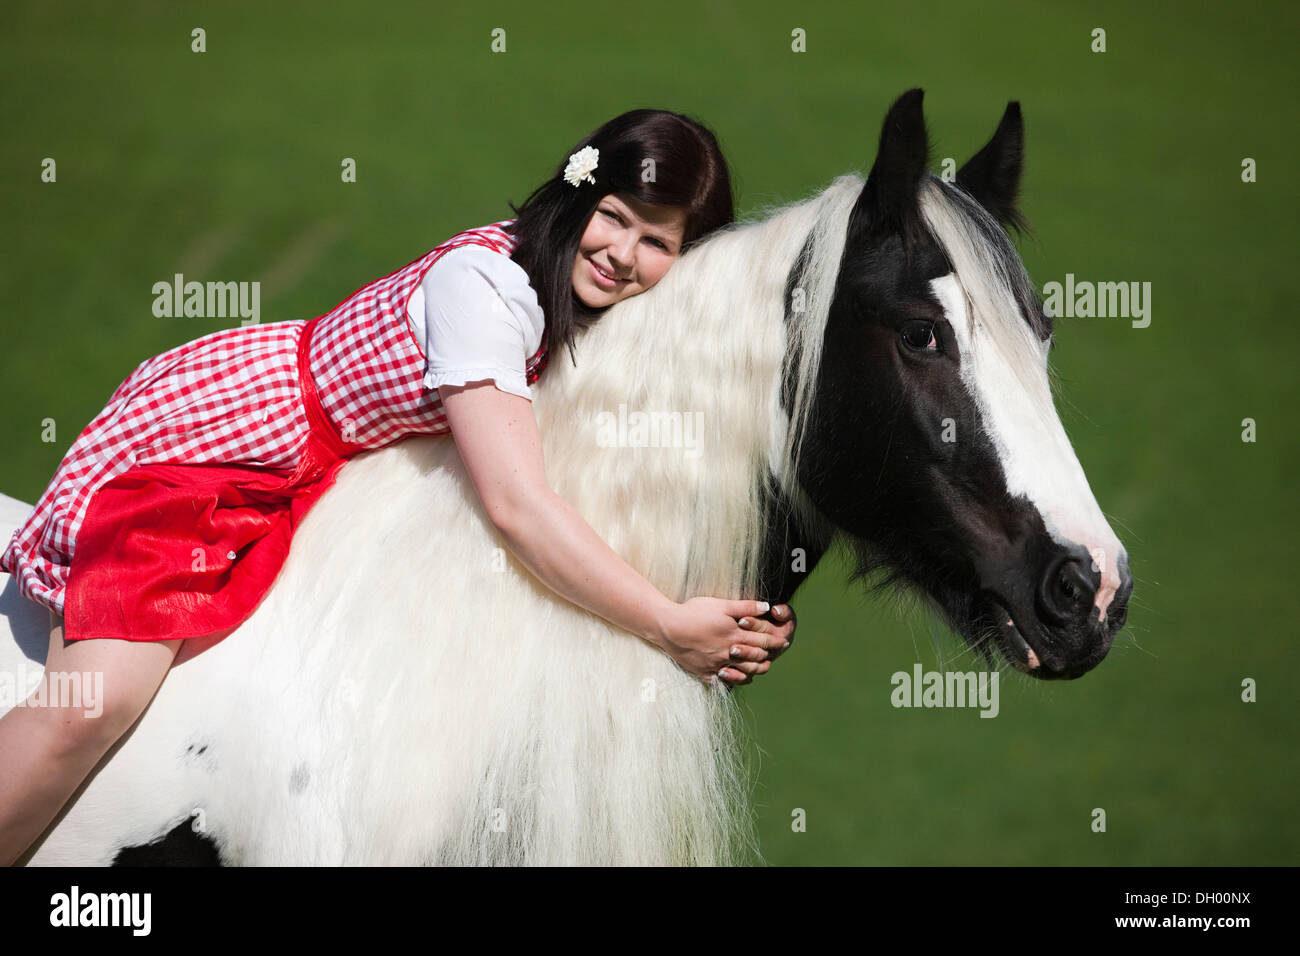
234 397
362 355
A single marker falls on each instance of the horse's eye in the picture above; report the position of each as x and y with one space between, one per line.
919 336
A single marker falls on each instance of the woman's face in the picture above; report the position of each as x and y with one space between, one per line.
632 242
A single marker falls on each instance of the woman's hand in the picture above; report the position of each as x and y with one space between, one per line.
730 640
783 631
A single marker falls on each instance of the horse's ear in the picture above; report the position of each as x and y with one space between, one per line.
888 201
992 176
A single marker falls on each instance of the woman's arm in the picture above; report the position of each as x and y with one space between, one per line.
497 436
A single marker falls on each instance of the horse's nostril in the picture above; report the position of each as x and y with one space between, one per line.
1117 613
1067 590
1076 583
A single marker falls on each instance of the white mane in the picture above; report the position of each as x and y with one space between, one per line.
994 280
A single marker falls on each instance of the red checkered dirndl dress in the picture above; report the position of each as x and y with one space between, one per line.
172 512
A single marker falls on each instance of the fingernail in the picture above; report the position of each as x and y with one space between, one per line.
763 607
744 622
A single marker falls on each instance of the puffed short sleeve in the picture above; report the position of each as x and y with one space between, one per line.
478 318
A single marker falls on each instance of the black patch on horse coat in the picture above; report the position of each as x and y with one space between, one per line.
181 847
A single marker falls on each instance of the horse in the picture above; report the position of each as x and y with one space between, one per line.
866 365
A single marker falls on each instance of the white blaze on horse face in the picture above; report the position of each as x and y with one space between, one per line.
1014 399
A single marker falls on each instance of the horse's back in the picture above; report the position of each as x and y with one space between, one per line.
12 514
24 624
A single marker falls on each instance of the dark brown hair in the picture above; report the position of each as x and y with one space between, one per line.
657 157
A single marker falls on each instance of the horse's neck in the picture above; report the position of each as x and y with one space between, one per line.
792 547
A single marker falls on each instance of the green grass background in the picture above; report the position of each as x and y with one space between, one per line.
225 165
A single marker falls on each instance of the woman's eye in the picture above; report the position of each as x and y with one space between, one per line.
618 219
919 336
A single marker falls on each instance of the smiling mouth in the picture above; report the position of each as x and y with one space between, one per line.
607 275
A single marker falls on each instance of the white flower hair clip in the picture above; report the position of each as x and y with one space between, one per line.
581 165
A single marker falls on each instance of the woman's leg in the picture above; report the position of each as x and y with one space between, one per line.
48 746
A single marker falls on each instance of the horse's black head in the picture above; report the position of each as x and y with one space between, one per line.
933 441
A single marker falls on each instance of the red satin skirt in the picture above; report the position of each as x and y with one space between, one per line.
169 551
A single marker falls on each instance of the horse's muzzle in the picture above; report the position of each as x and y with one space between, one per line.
1053 629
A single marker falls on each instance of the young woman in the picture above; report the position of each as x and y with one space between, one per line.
172 513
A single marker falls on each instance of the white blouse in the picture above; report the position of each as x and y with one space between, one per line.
478 318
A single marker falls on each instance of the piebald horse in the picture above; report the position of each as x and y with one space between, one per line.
869 363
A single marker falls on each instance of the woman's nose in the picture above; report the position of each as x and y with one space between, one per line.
620 255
